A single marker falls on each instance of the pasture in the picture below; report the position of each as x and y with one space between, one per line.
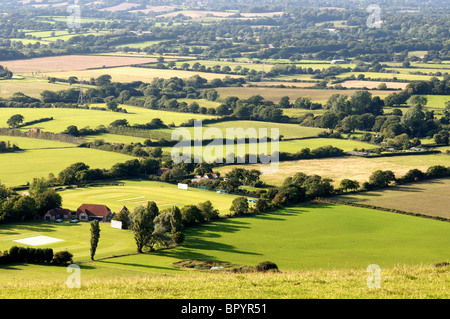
73 237
130 74
31 87
355 84
119 282
62 118
27 143
115 138
21 167
437 101
330 240
275 94
211 152
136 192
426 197
390 76
262 129
352 167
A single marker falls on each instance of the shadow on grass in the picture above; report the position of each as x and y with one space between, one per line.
9 229
109 262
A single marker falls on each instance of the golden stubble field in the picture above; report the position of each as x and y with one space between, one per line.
71 63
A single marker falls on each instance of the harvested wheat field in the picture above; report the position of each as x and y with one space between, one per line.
355 84
70 63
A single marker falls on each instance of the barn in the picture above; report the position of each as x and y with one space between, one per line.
89 212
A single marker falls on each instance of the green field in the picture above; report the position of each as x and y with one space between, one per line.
437 101
130 74
380 75
115 138
75 238
300 238
275 94
209 151
61 35
400 282
201 102
18 168
27 143
140 45
62 118
300 112
31 87
134 193
427 197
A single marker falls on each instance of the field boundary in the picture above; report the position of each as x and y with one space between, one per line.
380 208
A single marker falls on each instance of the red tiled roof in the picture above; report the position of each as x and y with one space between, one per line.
94 210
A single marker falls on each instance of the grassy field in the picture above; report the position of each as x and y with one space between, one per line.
292 146
437 101
31 87
201 102
427 197
380 75
134 193
275 94
27 143
410 282
300 112
372 84
356 168
115 138
62 118
130 74
75 238
284 129
141 45
324 248
21 167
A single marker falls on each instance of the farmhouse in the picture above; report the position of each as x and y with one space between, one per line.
34 130
88 212
57 213
210 176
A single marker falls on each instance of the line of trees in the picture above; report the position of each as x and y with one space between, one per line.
31 255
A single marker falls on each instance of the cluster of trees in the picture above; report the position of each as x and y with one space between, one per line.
35 256
363 112
5 73
154 228
80 173
15 207
6 147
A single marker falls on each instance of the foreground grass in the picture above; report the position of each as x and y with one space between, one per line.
323 251
405 282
